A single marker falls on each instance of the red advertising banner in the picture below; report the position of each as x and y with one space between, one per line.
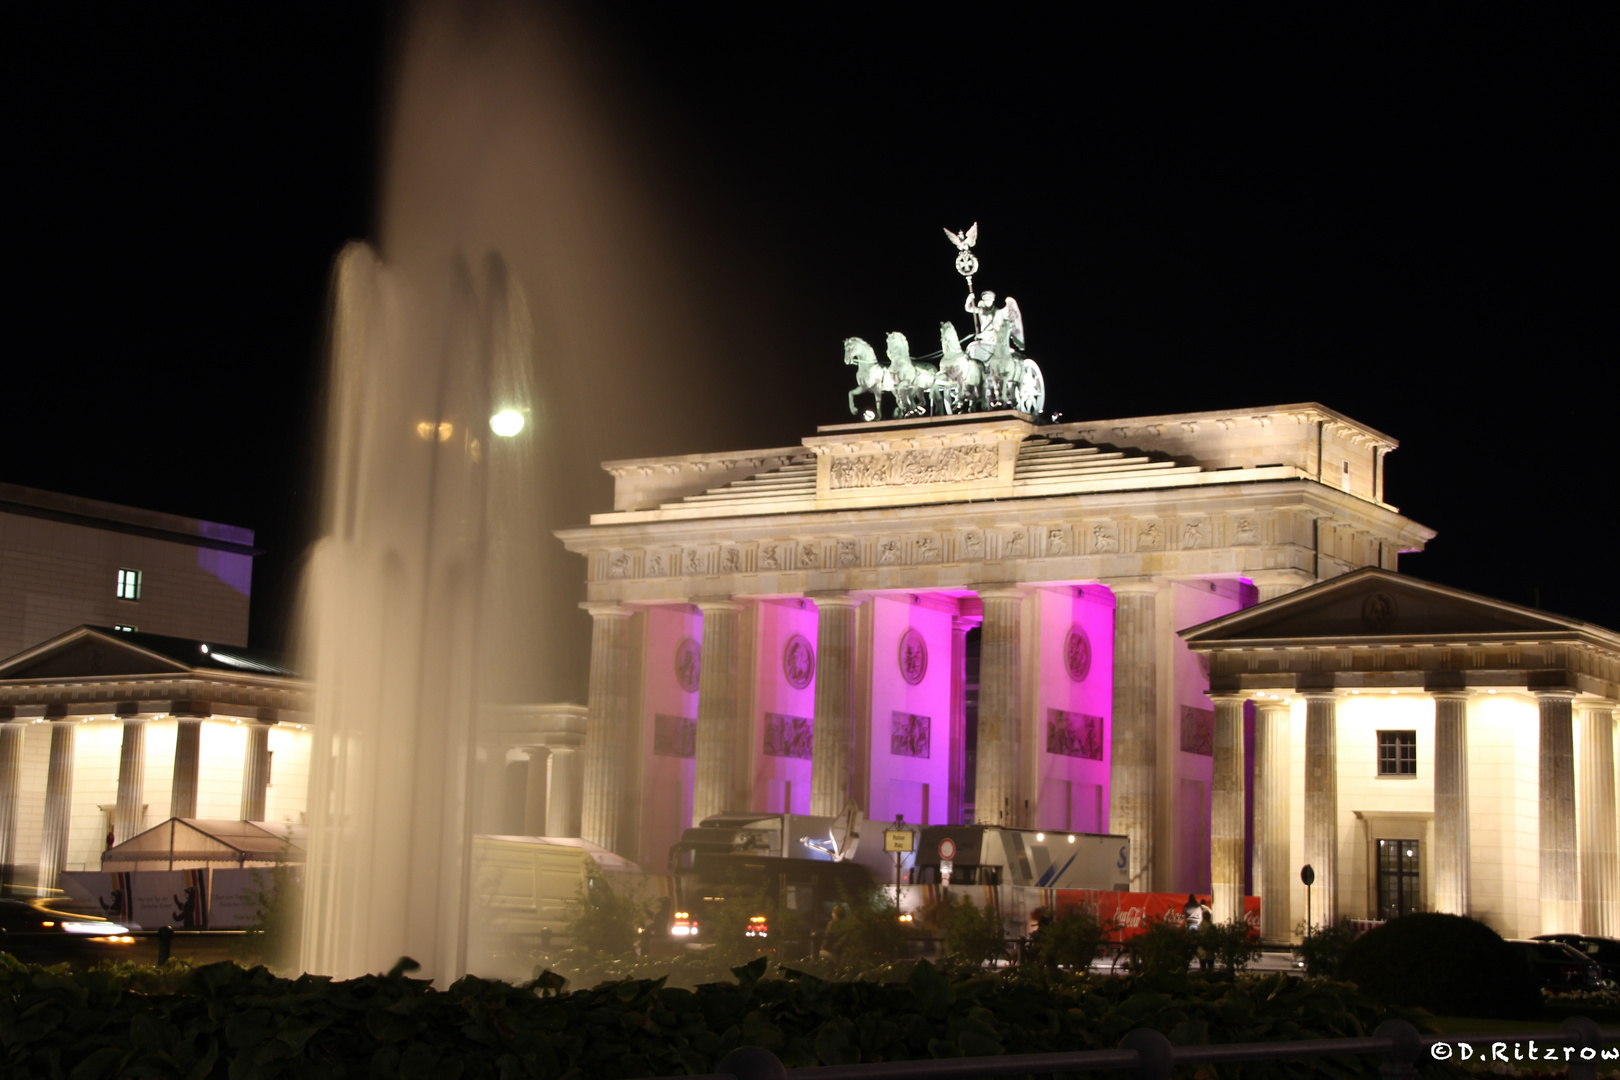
1133 911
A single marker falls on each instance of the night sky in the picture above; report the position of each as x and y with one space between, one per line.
1405 217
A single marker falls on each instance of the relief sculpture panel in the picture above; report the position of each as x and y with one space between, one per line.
947 465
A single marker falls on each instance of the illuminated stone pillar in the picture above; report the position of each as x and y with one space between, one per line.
11 745
960 625
606 726
255 770
187 747
716 757
58 802
1560 886
562 802
131 779
1450 863
997 798
1322 804
1599 820
1226 810
832 758
1133 770
1273 855
535 792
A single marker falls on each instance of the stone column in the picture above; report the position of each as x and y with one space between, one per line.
1598 818
255 770
1226 810
1322 804
1133 770
535 792
187 746
997 796
606 726
1450 864
11 745
832 758
960 625
1273 825
1560 887
562 805
131 779
716 759
58 802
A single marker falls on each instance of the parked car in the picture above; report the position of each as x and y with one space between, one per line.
38 932
1605 951
1559 967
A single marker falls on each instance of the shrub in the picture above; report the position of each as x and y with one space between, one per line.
1448 964
1072 939
866 930
1322 948
1164 947
278 919
972 935
1230 945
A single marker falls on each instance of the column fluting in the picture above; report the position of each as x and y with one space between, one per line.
255 770
1133 768
187 748
131 780
606 725
1451 856
997 794
1560 886
1273 825
1599 820
1226 810
716 758
832 757
562 802
58 802
11 746
1322 805
535 791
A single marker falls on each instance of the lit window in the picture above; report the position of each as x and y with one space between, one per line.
129 584
125 629
1397 753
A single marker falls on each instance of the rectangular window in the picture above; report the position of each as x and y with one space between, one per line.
129 584
1399 882
1397 753
125 629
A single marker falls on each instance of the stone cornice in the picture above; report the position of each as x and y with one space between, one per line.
225 690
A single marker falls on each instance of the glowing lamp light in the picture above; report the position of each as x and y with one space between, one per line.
1040 836
1071 838
506 423
868 414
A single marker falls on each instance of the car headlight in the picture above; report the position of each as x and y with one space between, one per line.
94 928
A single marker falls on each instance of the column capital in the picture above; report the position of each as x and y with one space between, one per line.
1230 695
1319 695
999 590
1555 694
1134 585
1591 705
1451 695
606 609
707 604
836 598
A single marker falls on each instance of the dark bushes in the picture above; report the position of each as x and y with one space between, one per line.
1450 965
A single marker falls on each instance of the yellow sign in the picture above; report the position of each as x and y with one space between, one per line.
899 840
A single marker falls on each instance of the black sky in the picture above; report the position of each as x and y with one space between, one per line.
1403 216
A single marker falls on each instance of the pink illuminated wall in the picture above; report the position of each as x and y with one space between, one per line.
667 773
1191 732
782 711
1073 708
901 780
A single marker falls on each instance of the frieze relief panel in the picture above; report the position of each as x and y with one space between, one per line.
1057 541
1149 536
1195 533
1104 537
908 468
972 546
849 554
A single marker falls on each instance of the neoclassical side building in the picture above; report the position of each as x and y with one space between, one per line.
955 618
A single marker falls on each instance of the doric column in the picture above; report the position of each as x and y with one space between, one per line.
255 770
58 802
11 745
716 758
131 777
1322 804
1450 862
187 747
1560 887
960 625
832 747
997 798
562 804
608 701
1273 826
535 792
1598 818
1133 770
1226 810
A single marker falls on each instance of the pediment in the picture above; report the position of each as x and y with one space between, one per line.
1374 603
87 653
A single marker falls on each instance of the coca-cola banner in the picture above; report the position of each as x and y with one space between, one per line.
1133 911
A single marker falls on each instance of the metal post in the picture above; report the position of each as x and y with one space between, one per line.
1590 1035
752 1063
1403 1053
165 937
1153 1053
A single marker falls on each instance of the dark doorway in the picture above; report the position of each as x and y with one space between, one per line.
1399 884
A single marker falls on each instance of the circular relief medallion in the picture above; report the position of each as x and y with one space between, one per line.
1378 612
1077 653
798 661
913 657
688 660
